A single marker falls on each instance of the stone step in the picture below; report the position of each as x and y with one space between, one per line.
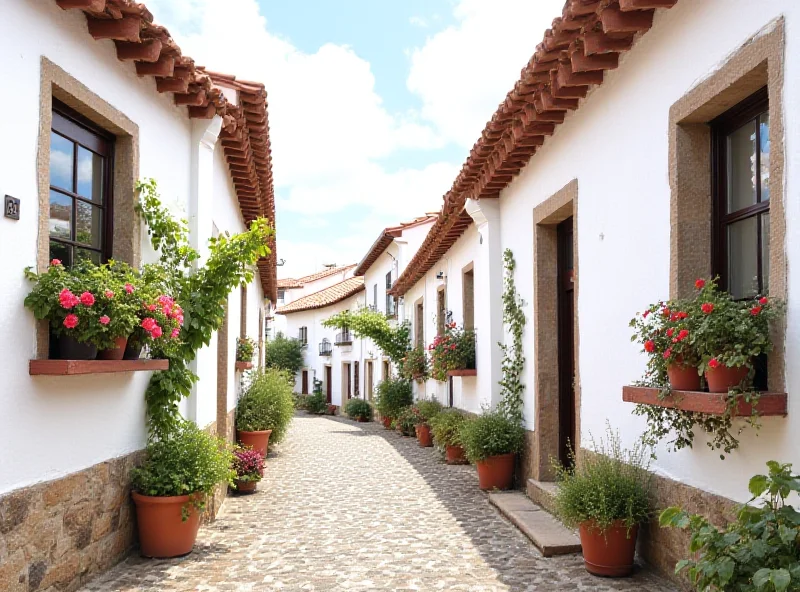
543 493
548 534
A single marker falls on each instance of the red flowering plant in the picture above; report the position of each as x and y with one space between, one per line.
85 302
452 350
414 365
248 464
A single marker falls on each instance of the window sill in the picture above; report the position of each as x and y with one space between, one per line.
769 404
244 365
74 367
343 343
465 372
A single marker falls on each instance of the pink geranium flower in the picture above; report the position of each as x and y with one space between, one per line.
67 299
87 299
71 321
156 332
129 288
175 333
104 320
149 324
109 294
55 262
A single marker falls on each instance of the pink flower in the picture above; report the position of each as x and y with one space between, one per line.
156 332
87 299
67 299
667 353
129 288
175 333
71 321
104 320
109 294
55 262
713 363
149 324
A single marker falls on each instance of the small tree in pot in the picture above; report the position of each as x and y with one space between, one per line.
265 409
393 394
446 429
491 441
606 497
171 487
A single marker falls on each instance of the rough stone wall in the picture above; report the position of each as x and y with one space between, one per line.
59 534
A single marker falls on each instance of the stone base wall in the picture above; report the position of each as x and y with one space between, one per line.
59 534
214 503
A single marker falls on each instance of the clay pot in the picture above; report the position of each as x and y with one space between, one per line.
71 349
331 409
387 422
115 353
454 455
721 379
246 486
424 435
608 553
258 441
496 472
360 419
683 378
162 530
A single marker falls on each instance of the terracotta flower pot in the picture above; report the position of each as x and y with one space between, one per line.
721 379
246 486
496 472
454 455
331 409
162 530
115 353
424 435
360 419
387 423
683 378
71 349
258 441
608 553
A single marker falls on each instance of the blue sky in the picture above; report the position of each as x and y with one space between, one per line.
373 105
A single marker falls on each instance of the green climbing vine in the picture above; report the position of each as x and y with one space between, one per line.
365 322
200 290
511 387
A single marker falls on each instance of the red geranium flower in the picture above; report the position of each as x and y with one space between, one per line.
71 321
87 299
763 300
667 353
755 310
670 331
713 363
684 333
700 284
649 346
682 315
707 307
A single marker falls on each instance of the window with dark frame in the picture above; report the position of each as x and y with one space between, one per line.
441 313
391 309
303 336
419 329
740 186
81 200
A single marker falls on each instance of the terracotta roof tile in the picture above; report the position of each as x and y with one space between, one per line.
290 283
385 239
583 42
326 297
245 134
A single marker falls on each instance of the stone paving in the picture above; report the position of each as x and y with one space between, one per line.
348 506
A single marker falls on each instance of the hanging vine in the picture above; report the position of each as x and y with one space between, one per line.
511 387
365 322
201 291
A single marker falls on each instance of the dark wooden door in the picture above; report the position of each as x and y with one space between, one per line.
328 384
305 382
368 379
566 342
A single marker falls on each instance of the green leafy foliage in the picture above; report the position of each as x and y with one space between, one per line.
446 427
512 389
245 348
759 552
317 403
393 340
201 290
185 461
358 408
284 353
414 364
266 404
609 484
491 434
406 421
393 395
428 409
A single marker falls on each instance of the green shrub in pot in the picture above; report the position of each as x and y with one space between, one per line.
428 409
266 404
490 434
358 409
393 394
446 427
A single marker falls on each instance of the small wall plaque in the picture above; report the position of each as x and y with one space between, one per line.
11 208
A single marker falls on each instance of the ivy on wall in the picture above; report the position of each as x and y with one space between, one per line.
202 292
511 387
365 322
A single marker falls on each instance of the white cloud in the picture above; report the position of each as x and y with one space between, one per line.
418 21
463 72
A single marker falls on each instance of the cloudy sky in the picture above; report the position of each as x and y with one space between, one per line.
373 104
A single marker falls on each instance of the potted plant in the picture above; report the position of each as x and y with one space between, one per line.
606 497
491 441
446 428
170 489
426 411
406 421
245 348
358 409
414 365
760 550
452 350
159 317
316 404
249 467
331 410
392 395
265 409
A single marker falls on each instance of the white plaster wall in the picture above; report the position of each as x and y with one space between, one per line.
616 145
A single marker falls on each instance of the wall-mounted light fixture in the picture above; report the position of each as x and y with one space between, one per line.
440 275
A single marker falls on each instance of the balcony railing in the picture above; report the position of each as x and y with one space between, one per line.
344 338
325 348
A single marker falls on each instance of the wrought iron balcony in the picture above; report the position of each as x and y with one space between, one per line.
325 348
344 338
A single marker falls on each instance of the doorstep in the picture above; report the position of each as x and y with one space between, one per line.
545 532
543 493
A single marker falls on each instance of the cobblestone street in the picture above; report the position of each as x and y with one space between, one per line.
348 506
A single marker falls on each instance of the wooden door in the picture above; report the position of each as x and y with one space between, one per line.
566 342
305 382
368 385
328 384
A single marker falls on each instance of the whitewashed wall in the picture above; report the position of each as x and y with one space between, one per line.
290 295
91 418
616 146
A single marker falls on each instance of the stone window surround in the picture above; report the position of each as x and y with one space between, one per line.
546 217
467 298
56 83
755 64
